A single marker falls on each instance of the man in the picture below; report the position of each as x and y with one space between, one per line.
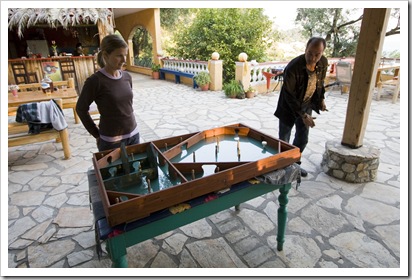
302 91
79 50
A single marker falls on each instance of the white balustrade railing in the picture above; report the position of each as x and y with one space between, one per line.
187 66
256 70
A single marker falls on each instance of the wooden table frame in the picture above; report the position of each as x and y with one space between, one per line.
119 238
138 206
39 96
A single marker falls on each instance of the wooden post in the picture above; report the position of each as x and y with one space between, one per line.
64 135
368 54
104 30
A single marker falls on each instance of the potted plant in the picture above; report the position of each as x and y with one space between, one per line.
202 79
234 89
250 92
155 71
13 89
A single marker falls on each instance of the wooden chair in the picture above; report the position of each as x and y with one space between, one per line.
96 66
68 70
21 75
29 87
68 103
94 113
343 75
393 83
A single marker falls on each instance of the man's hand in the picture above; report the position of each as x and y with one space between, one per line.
323 106
308 120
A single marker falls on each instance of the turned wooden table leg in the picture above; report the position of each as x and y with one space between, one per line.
282 215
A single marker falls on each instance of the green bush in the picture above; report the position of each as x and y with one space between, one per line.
228 31
202 78
234 89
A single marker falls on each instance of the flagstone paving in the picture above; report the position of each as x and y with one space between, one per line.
331 223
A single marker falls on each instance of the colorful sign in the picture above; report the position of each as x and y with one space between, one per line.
52 70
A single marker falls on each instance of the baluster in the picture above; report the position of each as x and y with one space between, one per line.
192 67
254 75
260 76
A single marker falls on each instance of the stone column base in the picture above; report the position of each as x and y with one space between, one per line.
352 165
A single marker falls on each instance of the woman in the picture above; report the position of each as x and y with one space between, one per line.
111 89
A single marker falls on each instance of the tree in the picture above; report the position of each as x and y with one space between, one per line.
340 32
338 27
142 47
395 13
169 17
226 31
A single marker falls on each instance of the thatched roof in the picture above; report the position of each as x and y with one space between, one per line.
66 17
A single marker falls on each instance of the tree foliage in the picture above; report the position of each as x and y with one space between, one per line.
395 13
339 28
169 17
226 31
142 47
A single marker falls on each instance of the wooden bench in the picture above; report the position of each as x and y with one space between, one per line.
18 136
178 74
394 82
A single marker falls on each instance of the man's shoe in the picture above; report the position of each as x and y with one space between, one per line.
303 172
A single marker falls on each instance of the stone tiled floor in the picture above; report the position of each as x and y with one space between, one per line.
331 223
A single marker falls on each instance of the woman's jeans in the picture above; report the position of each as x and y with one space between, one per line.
103 145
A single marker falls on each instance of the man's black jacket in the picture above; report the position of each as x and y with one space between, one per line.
295 82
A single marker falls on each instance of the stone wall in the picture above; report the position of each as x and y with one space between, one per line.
352 165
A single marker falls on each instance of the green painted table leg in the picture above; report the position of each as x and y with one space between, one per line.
116 247
282 215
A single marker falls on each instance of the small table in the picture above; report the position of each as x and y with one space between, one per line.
38 96
269 75
120 237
